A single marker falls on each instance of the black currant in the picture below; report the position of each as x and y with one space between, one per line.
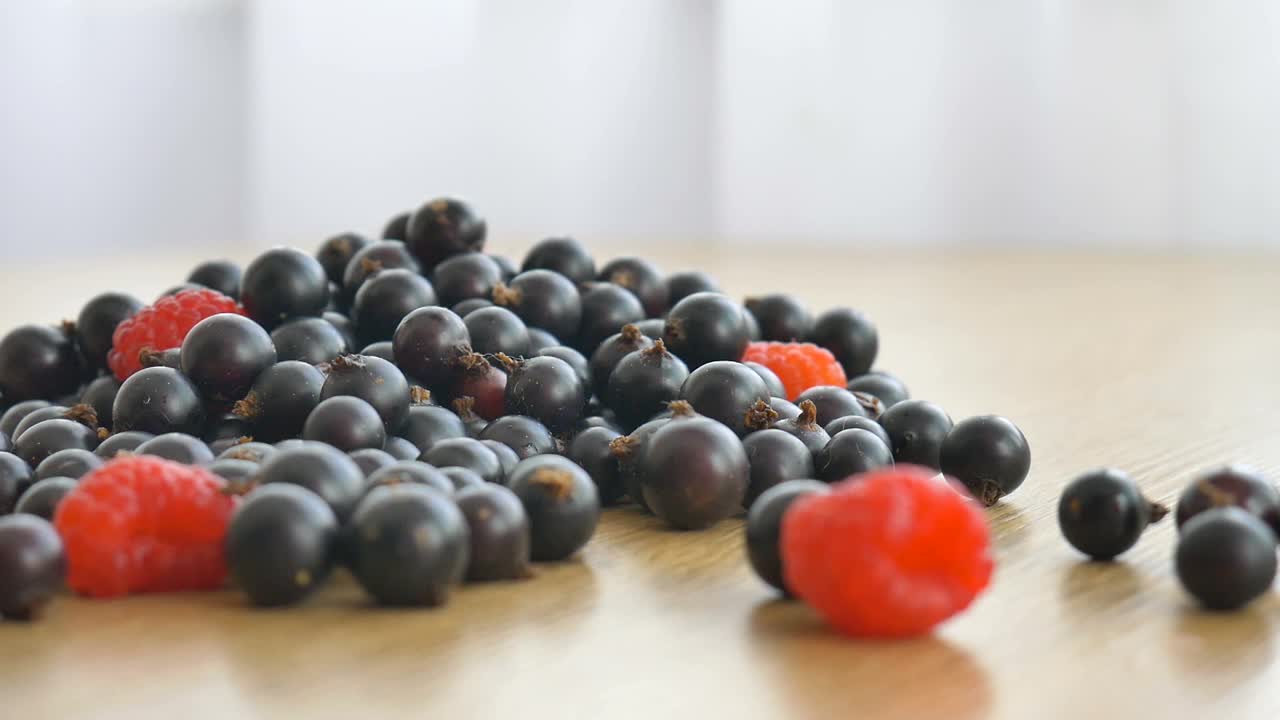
384 300
831 402
442 228
775 456
694 473
858 422
706 327
345 422
42 498
409 472
223 354
52 412
652 328
499 533
851 452
254 452
48 437
382 349
642 278
408 545
889 389
97 323
543 299
1231 486
989 454
309 340
101 396
171 358
1102 513
221 275
1226 557
280 400
427 425
592 449
38 362
158 400
470 305
372 259
118 442
548 390
463 478
917 428
683 284
562 255
374 380
481 387
496 330
16 414
401 449
850 336
371 459
605 309
805 427
788 410
561 502
781 318
335 253
32 565
613 349
540 340
725 391
397 228
770 378
576 360
281 544
764 527
284 283
15 478
237 473
464 277
324 470
428 343
507 458
468 453
343 325
178 447
643 383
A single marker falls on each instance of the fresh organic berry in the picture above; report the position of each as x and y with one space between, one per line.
16 414
540 340
223 354
397 227
851 452
442 228
548 390
1231 486
858 422
764 527
382 349
642 278
887 388
706 327
72 463
831 402
801 367
428 344
524 435
409 472
785 409
15 478
323 470
629 450
371 460
142 524
576 360
781 318
401 449
683 284
774 457
694 473
592 449
408 545
284 283
254 452
725 391
310 340
806 428
605 309
470 305
118 442
48 437
43 497
101 396
643 383
97 323
372 259
652 328
850 336
891 553
464 277
1226 557
507 458
989 454
427 425
32 565
163 326
345 422
468 453
770 378
495 330
343 325
221 275
384 300
463 478
610 352
1102 513
562 255
917 429
38 362
484 384
35 417
158 400
499 533
237 473
543 299
281 399
374 380
281 544
335 253
178 447
561 503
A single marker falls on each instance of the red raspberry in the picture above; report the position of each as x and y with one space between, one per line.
889 553
142 524
163 326
799 366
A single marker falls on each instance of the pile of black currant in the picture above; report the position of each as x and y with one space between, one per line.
422 411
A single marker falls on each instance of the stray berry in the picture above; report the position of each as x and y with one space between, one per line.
281 399
499 533
683 284
427 425
643 383
221 275
397 227
543 299
310 340
562 255
642 278
802 368
442 228
805 427
923 552
374 380
408 545
485 384
1226 557
706 327
158 400
38 362
371 459
917 429
524 435
223 354
468 453
345 422
1231 486
383 301
989 454
561 503
548 390
42 498
850 336
163 326
284 283
15 478
592 450
831 402
851 452
98 321
605 309
764 527
428 344
101 396
369 261
409 472
335 253
1102 513
725 391
466 277
775 457
119 442
323 470
32 565
495 330
694 473
281 544
48 437
781 318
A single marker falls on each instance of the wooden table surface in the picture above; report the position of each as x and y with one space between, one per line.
1161 366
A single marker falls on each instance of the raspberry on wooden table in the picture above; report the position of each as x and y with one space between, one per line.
799 366
163 326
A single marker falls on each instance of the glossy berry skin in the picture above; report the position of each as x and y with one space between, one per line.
706 327
576 360
917 429
427 425
32 565
309 340
605 309
851 452
770 378
858 422
401 449
178 447
374 380
725 391
237 473
345 422
543 299
525 436
52 412
694 473
764 527
610 352
470 305
540 340
641 278
369 261
468 453
1102 513
383 301
284 283
889 389
15 478
221 275
409 472
158 400
683 284
397 228
223 355
1231 486
507 458
442 228
343 325
428 343
988 454
643 383
48 437
1226 558
592 450
548 390
806 428
325 471
382 349
499 533
782 318
561 503
335 253
119 442
563 255
466 277
42 498
281 544
97 323
629 450
775 457
850 336
652 328
831 402
38 362
463 478
496 330
13 416
281 399
408 545
785 409
101 396
371 460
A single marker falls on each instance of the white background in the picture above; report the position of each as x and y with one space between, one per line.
154 124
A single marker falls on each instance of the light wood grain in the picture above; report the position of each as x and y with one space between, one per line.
1162 366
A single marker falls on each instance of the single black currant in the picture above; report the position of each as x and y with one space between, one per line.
548 390
805 427
540 340
683 284
495 330
613 349
442 228
851 452
470 305
178 447
324 470
483 384
309 340
775 456
428 343
642 278
770 378
643 383
281 544
237 473
335 253
464 277
1102 513
576 360
831 402
171 358
372 259
561 502
889 389
1226 558
401 449
858 422
427 425
463 478
42 498
499 533
15 478
725 391
345 422
223 354
32 565
468 453
374 380
507 458
284 283
254 452
280 400
764 527
592 449
221 275
97 323
158 400
1231 486
48 437
381 349
118 442
605 309
383 301
562 255
37 361
16 414
694 473
850 336
782 318
786 409
371 459
706 327
51 412
101 396
408 545
989 454
543 299
917 428
652 328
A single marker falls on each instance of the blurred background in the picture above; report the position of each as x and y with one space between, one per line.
169 126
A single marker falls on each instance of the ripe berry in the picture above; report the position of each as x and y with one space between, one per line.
442 228
280 400
335 253
683 284
281 544
652 328
343 325
1102 513
851 452
16 414
805 427
470 305
401 449
850 336
543 299
323 470
1231 486
917 429
1226 557
48 437
468 453
787 410
237 473
43 497
370 260
576 360
163 326
540 340
889 389
725 391
374 380
831 402
592 450
310 340
548 390
463 478
384 300
507 458
605 309
427 425
782 318
506 265
345 422
221 275
382 349
694 473
706 327
562 255
496 330
428 344
101 395
223 355
284 283
629 450
32 565
561 503
178 447
799 367
643 383
610 352
764 527
409 472
484 384
15 478
989 454
158 400
119 442
397 227
642 278
371 460
891 553
499 533
774 457
770 378
38 362
408 545
465 277
254 452
524 435
35 417
858 422
97 323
